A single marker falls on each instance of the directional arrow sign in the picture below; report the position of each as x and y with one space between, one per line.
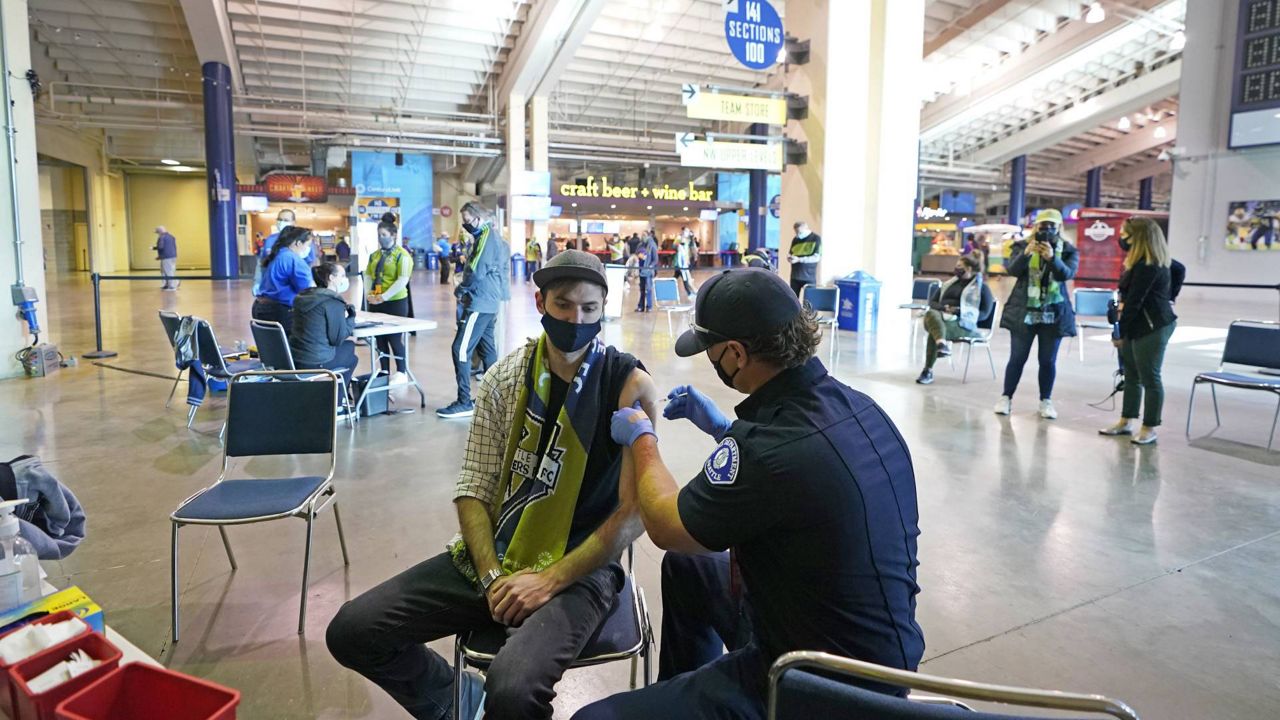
732 155
683 140
736 108
689 93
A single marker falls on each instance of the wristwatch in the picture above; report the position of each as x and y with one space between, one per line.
488 579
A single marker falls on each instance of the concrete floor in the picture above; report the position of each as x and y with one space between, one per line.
1050 556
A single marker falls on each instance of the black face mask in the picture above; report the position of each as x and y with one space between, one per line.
569 337
1046 235
725 377
473 230
1123 242
958 272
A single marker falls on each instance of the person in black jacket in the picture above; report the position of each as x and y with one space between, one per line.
943 321
1146 324
323 321
1039 308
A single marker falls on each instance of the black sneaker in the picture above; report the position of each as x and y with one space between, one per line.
926 377
457 410
944 349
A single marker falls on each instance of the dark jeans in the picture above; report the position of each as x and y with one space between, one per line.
444 271
646 294
530 267
381 635
798 285
392 344
699 620
266 309
473 330
1142 358
1020 351
344 361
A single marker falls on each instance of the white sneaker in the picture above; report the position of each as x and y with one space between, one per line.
398 379
1047 411
1004 405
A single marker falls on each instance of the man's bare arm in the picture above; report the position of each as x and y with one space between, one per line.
477 533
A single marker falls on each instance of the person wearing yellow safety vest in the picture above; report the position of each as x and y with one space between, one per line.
806 251
485 286
532 258
387 283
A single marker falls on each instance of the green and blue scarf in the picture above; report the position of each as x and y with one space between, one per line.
540 492
1042 294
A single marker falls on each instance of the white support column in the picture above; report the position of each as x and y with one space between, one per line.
538 155
515 163
858 188
20 170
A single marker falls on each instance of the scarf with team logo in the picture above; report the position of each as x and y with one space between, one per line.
540 493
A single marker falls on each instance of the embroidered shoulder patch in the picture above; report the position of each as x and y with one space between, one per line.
722 467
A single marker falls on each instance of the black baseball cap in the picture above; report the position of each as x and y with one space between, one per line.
738 305
573 265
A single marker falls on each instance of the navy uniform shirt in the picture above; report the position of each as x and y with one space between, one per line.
813 489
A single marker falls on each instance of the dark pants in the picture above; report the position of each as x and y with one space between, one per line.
682 274
939 329
381 635
344 361
530 267
1020 350
473 329
267 309
646 293
444 271
696 679
1142 358
798 285
392 344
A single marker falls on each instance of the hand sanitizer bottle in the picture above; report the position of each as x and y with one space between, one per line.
19 566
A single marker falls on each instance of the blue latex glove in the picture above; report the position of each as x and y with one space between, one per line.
629 425
685 402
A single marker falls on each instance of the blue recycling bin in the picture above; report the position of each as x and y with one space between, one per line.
729 258
517 266
859 302
433 260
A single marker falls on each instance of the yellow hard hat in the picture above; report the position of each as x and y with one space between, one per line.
1049 215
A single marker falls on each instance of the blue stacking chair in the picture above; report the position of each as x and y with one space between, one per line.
982 340
269 413
825 301
275 354
666 295
804 685
920 292
214 359
1255 343
1091 312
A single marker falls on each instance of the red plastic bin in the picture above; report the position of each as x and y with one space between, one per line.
28 706
139 691
6 699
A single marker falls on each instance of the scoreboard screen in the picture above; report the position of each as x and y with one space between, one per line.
1255 96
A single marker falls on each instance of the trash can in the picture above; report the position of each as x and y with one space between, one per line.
517 266
433 260
859 302
729 258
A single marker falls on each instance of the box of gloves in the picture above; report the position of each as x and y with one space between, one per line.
40 682
73 599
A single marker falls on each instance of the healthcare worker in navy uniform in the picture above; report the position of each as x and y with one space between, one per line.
812 493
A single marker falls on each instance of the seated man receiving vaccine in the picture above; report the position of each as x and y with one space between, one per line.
543 523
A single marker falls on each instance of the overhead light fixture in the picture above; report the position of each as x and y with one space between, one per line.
1124 123
1095 14
1178 41
1161 133
170 161
182 168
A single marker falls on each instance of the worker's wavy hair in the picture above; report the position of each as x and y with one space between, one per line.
791 345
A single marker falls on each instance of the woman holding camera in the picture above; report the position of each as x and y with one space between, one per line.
1038 309
1146 323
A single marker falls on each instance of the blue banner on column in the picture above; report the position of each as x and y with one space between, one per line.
376 174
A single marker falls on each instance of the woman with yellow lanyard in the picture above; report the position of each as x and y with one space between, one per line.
389 270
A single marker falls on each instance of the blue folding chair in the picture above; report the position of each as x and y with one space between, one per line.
214 359
804 685
1255 343
1090 305
825 301
275 354
284 417
666 295
921 290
